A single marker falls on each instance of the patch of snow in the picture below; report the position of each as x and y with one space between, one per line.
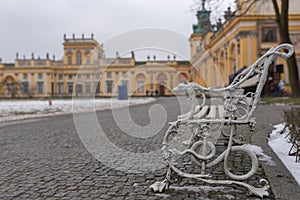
229 196
24 109
135 184
260 154
281 104
280 145
203 188
162 195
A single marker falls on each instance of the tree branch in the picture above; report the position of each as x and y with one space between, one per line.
284 21
252 2
276 8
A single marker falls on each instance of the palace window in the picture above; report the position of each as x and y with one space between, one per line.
60 88
269 34
88 76
109 86
60 77
108 74
69 60
70 88
70 76
40 87
87 87
88 60
78 58
25 87
40 76
25 76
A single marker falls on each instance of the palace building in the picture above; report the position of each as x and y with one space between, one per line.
221 51
85 71
218 53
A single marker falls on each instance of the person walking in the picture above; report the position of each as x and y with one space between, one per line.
281 87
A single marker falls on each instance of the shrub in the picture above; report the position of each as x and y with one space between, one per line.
292 118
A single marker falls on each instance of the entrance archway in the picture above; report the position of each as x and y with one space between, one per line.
162 82
10 86
162 90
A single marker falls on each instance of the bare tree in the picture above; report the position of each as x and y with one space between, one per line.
283 27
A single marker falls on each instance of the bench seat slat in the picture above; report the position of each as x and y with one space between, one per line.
221 111
212 112
202 112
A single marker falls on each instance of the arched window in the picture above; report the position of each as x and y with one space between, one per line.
162 78
233 61
78 58
182 78
140 83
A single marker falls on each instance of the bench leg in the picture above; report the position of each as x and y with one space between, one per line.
160 186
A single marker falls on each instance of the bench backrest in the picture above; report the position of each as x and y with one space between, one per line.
260 67
257 72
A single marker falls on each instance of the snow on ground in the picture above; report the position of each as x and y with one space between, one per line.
260 154
202 188
279 143
22 109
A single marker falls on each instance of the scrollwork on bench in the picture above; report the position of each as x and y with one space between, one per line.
206 122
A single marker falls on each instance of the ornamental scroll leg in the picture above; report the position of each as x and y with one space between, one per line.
160 186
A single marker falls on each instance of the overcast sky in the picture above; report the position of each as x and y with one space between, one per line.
38 25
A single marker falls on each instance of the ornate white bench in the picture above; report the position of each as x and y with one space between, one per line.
208 121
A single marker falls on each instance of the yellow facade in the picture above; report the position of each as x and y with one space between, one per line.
238 42
85 71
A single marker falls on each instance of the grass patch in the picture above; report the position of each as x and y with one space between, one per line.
284 100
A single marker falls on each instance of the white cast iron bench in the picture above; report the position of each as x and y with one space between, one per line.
222 112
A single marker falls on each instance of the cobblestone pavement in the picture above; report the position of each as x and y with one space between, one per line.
45 159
